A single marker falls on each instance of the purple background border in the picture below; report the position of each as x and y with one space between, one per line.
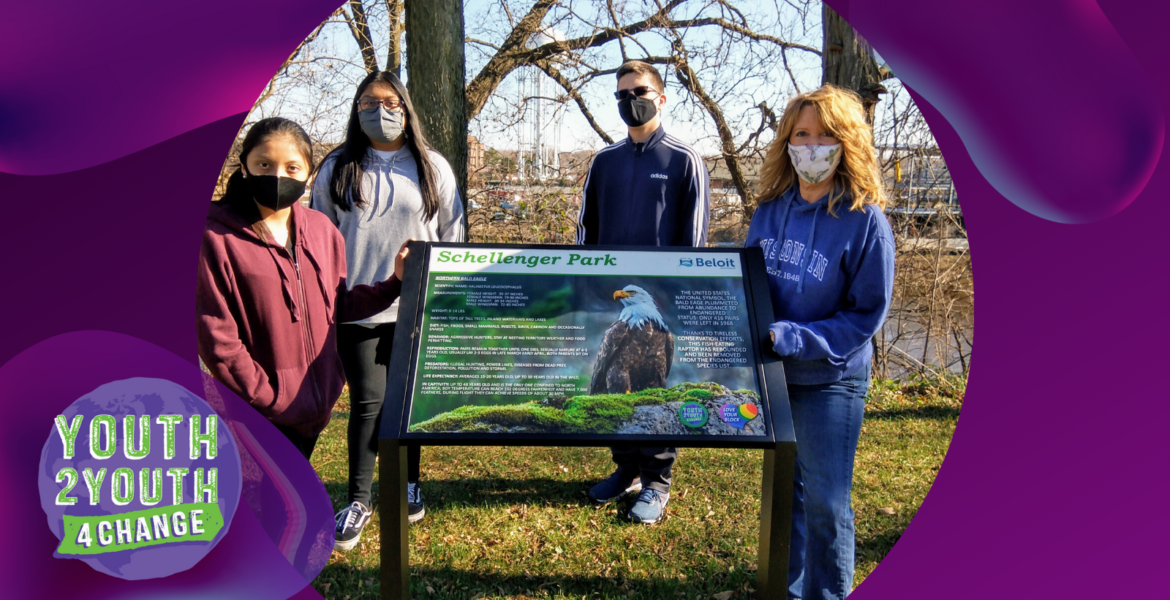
1058 404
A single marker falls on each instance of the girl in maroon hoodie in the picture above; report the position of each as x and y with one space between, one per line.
272 287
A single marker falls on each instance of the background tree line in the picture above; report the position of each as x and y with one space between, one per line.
730 66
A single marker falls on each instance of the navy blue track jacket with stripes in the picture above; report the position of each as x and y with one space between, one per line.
655 193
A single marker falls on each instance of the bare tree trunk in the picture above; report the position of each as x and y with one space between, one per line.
360 28
552 72
847 62
394 51
505 60
690 82
515 53
435 68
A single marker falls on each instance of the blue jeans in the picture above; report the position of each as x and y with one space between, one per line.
827 421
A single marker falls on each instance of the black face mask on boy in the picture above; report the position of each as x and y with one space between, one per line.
273 192
635 111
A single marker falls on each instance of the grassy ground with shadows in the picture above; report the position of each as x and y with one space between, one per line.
515 522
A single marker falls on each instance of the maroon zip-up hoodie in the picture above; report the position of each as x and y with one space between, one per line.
267 317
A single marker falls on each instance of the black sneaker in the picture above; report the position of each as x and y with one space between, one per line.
350 522
615 487
416 508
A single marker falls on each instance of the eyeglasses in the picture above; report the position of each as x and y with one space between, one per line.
639 91
369 103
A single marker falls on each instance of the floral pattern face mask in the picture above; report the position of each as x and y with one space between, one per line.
815 164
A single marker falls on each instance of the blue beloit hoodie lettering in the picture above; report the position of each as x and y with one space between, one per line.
831 280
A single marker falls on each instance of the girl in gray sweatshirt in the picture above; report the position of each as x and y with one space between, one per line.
382 186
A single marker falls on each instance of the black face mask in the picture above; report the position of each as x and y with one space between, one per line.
272 192
636 112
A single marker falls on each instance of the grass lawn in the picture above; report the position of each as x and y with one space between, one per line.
515 522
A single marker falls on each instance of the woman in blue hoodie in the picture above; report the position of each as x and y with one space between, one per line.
830 257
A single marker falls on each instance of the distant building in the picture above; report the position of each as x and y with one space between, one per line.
917 179
723 186
575 165
474 156
500 168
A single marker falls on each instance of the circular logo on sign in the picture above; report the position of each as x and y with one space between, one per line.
748 411
693 415
139 478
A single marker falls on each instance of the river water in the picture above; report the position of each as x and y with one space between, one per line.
909 349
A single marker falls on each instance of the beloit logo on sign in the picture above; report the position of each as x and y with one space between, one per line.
722 263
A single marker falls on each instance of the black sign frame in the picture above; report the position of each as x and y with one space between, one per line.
779 466
400 382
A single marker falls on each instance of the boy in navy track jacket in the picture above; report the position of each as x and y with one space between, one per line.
649 189
650 193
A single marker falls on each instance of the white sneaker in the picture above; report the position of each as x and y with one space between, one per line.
416 509
350 522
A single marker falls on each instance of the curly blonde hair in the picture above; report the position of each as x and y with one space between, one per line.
841 115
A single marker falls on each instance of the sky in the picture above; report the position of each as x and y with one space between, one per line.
738 76
677 118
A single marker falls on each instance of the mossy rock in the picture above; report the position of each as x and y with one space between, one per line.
699 395
483 418
599 413
714 388
555 401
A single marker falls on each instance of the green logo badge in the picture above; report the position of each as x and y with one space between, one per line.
693 415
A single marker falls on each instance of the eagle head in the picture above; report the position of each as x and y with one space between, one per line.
639 307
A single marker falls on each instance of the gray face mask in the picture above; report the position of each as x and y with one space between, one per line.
381 125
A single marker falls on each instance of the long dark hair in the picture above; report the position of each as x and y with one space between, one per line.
345 183
236 193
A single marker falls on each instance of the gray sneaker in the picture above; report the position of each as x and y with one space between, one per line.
649 507
350 522
615 487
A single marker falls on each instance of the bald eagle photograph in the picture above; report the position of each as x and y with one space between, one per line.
637 350
589 360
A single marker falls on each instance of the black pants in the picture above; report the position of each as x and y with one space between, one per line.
365 356
652 463
302 443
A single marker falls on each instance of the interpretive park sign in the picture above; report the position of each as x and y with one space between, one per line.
582 345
